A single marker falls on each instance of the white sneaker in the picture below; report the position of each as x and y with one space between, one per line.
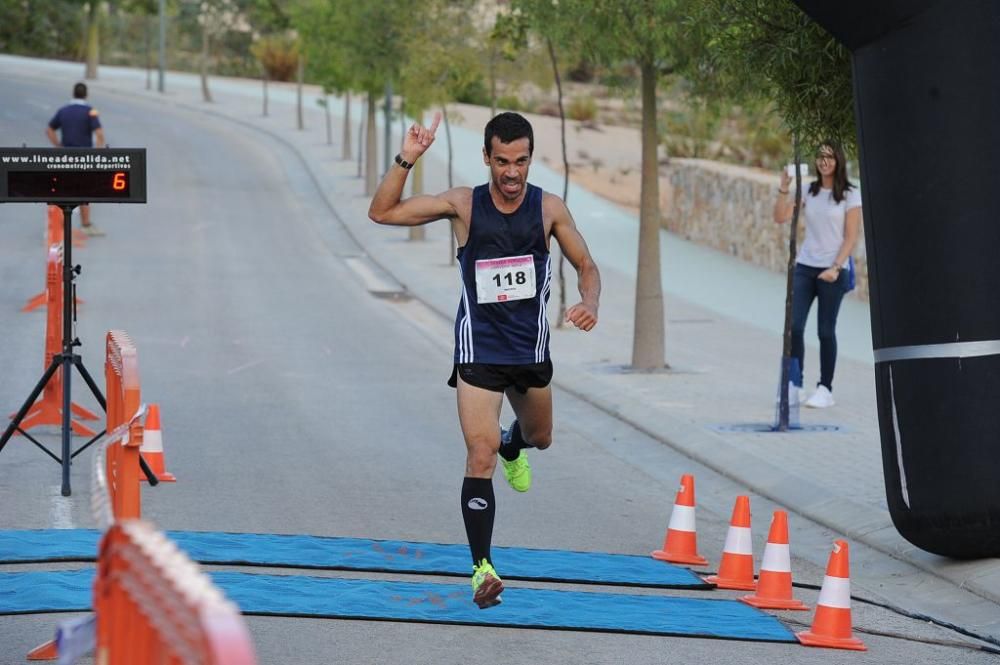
821 399
802 395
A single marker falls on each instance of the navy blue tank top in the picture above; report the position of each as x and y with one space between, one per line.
503 331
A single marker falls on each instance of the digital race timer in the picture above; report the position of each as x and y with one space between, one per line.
73 175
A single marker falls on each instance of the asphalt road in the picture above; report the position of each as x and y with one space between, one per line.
295 402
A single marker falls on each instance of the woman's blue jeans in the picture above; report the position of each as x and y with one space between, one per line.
806 287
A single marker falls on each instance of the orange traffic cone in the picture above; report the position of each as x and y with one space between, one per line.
47 651
774 585
736 567
152 446
680 545
831 625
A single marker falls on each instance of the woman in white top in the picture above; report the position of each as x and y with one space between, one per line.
832 208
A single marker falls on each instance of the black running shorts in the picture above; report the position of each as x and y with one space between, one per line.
500 377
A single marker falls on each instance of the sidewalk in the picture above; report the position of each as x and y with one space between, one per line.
723 318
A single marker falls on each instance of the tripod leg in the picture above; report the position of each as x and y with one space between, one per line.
67 424
16 422
78 361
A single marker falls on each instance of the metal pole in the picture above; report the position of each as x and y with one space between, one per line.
67 343
387 149
163 45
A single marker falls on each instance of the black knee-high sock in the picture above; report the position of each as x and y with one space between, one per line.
511 448
478 510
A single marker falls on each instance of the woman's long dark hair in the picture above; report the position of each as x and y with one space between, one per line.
840 182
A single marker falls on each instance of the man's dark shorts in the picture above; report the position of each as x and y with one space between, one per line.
500 377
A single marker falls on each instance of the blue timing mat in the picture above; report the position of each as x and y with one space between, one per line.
290 551
333 598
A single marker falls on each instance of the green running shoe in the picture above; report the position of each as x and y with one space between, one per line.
518 472
486 585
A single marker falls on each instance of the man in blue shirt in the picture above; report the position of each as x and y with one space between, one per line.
80 128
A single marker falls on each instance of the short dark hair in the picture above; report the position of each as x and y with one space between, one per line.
508 127
80 91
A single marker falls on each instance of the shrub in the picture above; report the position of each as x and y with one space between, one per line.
279 55
509 103
582 108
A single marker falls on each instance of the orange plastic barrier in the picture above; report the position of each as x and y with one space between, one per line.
121 374
53 236
48 409
154 605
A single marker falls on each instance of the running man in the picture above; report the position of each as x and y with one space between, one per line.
80 127
502 230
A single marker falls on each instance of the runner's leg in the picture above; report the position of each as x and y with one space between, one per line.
479 413
533 410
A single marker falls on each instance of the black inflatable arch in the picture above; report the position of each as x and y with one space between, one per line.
927 103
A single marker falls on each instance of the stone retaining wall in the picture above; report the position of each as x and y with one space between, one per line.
730 209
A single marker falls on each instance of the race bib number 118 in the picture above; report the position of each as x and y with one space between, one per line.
505 279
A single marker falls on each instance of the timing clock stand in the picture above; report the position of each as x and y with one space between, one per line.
67 178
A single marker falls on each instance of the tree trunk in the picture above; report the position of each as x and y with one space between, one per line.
417 187
648 335
93 40
264 78
447 131
493 81
371 147
299 74
206 94
387 126
361 129
786 338
561 317
149 52
346 154
326 113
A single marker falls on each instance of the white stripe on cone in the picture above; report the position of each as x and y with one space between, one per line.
777 558
738 541
682 518
152 441
836 592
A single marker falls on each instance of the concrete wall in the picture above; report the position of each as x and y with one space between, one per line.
729 208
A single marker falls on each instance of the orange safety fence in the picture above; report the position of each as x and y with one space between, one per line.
121 374
48 409
53 236
154 605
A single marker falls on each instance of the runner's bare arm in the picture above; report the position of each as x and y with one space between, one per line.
583 314
386 206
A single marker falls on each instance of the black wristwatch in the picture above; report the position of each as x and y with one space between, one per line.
402 162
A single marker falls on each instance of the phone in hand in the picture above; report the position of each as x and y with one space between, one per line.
790 169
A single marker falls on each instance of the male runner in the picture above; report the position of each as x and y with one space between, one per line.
79 126
502 230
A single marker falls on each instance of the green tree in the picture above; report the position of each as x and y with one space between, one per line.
372 39
147 11
47 29
653 35
767 50
93 40
443 46
320 25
